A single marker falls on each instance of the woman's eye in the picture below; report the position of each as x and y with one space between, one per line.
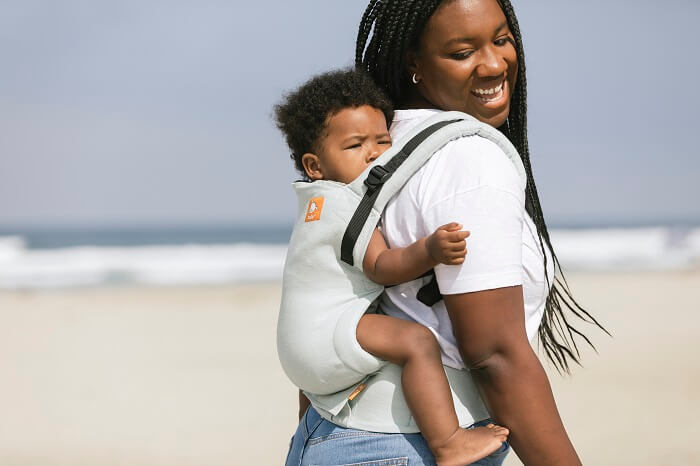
503 41
462 55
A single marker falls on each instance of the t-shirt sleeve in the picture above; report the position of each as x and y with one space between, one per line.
472 182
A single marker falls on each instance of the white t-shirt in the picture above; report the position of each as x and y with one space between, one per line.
472 182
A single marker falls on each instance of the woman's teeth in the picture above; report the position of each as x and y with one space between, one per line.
489 95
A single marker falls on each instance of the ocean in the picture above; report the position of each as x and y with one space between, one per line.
47 258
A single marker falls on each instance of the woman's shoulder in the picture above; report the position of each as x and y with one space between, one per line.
472 162
477 157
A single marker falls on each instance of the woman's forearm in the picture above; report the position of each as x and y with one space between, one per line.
518 395
490 331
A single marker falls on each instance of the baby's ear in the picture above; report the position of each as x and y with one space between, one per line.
312 166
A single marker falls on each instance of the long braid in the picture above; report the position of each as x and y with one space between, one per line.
395 59
395 27
558 350
368 19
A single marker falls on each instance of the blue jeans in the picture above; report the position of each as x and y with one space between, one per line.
318 442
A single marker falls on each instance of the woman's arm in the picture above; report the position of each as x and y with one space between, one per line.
490 331
387 266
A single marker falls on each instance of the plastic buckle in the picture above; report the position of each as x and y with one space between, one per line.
377 177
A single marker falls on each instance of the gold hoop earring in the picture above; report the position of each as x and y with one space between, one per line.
415 79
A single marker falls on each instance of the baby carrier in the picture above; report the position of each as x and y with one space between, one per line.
324 291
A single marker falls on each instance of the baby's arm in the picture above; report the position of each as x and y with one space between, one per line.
387 266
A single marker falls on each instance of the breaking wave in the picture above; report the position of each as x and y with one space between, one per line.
199 264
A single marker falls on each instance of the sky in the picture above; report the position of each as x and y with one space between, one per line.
160 112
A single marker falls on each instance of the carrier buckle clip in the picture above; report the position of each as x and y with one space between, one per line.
377 177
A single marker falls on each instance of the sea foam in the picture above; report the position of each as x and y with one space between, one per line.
193 264
148 265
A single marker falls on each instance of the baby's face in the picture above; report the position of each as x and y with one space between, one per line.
354 137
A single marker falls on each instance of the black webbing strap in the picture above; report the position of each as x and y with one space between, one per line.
378 175
429 293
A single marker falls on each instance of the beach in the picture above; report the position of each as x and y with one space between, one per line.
189 375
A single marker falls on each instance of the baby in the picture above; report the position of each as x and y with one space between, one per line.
336 125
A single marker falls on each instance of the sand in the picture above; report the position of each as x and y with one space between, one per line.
189 376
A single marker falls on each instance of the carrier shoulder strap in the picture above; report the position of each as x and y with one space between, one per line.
378 175
423 142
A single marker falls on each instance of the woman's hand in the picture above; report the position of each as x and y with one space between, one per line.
448 244
490 331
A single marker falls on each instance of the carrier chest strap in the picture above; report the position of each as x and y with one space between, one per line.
376 178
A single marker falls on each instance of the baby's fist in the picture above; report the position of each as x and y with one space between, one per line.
448 244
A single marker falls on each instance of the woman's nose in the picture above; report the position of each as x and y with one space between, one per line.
492 63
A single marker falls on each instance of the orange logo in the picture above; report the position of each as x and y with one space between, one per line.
313 211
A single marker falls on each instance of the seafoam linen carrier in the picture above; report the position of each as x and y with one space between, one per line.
324 291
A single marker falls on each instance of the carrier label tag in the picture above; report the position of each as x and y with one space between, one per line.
313 211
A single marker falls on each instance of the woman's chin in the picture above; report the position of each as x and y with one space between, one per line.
490 118
492 109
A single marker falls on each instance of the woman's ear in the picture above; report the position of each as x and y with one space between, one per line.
312 166
411 64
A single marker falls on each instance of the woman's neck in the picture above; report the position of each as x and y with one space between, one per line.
417 101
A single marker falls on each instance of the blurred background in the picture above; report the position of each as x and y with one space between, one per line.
145 205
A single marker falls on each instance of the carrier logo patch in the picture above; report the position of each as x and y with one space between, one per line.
313 211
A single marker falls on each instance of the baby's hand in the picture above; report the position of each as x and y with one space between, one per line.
447 245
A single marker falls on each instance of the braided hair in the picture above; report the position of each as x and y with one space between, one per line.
395 27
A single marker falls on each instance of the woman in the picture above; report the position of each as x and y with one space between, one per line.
466 55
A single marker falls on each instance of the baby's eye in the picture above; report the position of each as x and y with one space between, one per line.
354 146
385 142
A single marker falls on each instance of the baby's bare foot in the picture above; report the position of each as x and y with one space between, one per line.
468 445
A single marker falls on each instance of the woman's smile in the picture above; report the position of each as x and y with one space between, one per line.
493 97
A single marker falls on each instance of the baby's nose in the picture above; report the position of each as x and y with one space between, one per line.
374 153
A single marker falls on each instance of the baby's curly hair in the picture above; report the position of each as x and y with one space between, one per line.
303 114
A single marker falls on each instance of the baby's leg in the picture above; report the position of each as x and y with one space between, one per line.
426 389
